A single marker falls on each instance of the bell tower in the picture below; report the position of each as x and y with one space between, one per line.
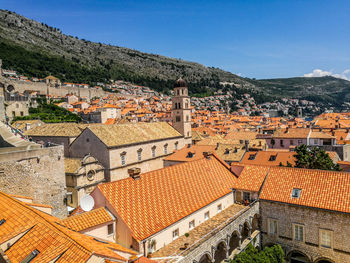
181 112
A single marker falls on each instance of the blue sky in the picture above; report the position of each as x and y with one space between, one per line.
261 39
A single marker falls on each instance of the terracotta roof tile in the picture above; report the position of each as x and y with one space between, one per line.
164 196
86 220
44 234
122 134
320 189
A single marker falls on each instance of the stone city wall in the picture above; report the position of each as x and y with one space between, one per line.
37 173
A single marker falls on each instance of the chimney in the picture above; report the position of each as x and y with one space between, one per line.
246 142
134 173
207 154
217 146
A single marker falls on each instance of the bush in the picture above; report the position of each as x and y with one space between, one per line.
251 254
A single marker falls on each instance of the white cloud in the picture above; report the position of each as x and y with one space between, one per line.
321 73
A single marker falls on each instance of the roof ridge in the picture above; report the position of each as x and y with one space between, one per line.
81 214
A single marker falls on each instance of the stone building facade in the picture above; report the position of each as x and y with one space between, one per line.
82 175
17 109
37 173
106 143
314 223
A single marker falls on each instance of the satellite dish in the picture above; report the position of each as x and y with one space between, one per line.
87 203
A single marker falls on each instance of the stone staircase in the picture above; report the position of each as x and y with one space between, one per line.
9 139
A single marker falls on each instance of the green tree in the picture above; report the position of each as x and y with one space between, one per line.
251 254
314 158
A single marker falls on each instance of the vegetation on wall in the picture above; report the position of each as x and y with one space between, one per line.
49 113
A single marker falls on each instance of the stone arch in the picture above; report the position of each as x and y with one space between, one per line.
205 258
245 230
234 241
324 260
220 253
296 256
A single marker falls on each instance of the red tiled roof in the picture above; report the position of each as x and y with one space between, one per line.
251 177
86 220
192 153
164 196
320 189
44 234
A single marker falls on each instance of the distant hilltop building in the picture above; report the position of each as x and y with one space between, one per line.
181 112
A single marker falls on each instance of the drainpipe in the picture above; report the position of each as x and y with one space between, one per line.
144 248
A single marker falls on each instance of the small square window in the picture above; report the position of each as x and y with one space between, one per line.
296 193
246 196
251 157
191 225
272 226
206 216
298 232
273 158
122 158
110 229
219 208
175 234
139 155
326 238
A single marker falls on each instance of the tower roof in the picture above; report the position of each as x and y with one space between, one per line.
180 83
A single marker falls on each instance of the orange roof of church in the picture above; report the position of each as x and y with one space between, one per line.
320 189
162 197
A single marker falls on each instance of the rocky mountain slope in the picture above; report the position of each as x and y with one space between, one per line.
37 49
119 62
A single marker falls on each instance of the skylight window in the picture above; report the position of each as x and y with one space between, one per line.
31 256
190 155
296 193
272 158
2 221
251 157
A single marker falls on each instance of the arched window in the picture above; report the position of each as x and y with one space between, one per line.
139 154
153 151
123 158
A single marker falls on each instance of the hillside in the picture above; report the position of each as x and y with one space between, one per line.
109 62
39 50
324 90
